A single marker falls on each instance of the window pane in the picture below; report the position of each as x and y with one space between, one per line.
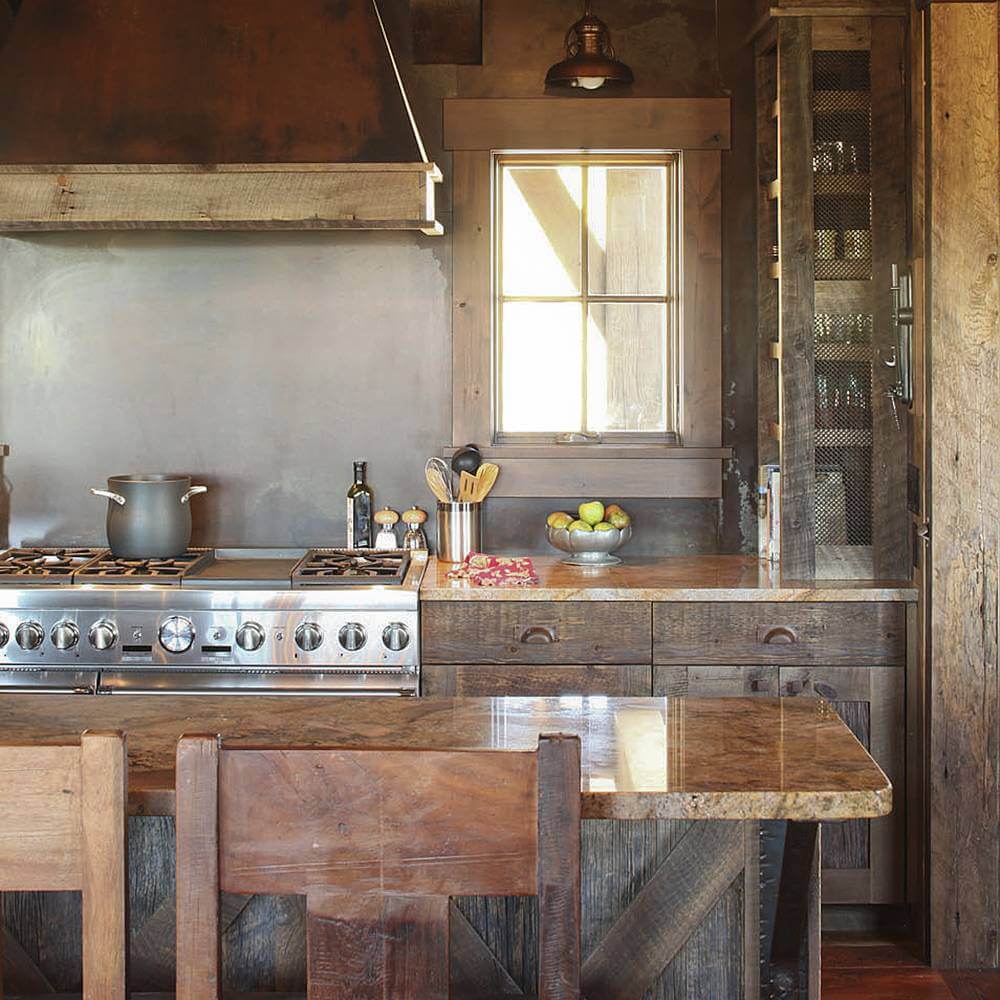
541 230
627 223
627 367
541 367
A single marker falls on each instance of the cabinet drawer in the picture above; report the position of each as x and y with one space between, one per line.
715 682
536 632
480 680
751 633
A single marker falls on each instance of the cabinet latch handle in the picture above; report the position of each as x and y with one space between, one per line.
536 635
794 687
777 635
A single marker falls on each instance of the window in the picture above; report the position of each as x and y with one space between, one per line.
586 304
587 309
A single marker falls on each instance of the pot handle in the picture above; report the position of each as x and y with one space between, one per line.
115 497
194 491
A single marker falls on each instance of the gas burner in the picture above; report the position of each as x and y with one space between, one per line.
45 565
134 572
345 567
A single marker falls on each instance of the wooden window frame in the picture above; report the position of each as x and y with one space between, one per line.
697 129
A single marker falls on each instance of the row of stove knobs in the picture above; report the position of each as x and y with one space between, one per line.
64 635
177 636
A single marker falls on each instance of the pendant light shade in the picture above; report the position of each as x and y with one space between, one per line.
590 58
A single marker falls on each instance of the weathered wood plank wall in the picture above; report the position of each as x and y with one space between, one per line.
965 431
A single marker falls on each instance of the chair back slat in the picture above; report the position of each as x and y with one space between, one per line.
375 945
421 821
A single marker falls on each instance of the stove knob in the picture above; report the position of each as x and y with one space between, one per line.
308 637
64 635
4 636
102 635
29 635
352 637
250 637
177 634
396 636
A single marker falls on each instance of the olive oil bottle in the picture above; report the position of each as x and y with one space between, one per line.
360 508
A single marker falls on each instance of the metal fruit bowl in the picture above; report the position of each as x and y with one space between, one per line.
590 548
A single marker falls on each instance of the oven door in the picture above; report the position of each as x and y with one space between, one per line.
276 682
48 681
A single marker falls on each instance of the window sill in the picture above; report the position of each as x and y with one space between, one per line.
621 471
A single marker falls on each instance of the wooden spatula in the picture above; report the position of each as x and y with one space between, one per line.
486 477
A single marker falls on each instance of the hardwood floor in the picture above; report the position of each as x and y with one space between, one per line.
884 970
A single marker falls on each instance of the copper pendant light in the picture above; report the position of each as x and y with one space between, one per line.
590 58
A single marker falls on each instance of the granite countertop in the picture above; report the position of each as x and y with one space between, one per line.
669 578
642 758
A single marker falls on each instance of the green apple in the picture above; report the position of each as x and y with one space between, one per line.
604 526
619 519
592 513
559 519
579 526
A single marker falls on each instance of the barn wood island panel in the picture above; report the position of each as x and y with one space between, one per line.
696 775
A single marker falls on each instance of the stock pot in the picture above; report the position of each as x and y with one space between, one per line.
148 515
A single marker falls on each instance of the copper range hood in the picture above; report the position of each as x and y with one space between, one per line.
208 114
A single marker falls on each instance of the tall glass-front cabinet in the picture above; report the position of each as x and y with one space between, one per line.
833 172
832 222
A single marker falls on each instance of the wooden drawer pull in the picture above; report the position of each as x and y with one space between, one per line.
538 635
777 635
794 687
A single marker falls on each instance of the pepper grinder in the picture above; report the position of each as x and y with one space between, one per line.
414 539
385 540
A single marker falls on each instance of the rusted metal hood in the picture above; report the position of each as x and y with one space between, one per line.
207 114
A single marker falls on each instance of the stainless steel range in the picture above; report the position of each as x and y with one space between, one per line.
239 621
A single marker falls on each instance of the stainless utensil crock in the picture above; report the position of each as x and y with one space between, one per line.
459 530
148 515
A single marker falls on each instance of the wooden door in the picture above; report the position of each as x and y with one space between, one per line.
863 860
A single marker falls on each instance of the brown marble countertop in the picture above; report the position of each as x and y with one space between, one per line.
669 578
642 758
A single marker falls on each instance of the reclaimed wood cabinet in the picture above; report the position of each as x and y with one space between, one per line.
851 653
832 171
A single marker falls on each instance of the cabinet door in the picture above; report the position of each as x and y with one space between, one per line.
477 680
863 860
715 682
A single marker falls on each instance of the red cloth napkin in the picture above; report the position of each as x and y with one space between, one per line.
496 571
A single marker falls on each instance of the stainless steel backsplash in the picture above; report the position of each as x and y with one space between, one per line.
261 365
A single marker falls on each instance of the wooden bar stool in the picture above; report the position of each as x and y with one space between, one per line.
63 827
377 841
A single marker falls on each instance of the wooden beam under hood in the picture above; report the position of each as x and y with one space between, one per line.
208 114
301 196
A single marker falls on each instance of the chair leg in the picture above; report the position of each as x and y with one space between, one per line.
366 947
558 867
105 880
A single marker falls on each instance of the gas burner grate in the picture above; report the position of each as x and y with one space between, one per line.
132 572
345 567
46 565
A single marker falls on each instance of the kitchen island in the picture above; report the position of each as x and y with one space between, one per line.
714 916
